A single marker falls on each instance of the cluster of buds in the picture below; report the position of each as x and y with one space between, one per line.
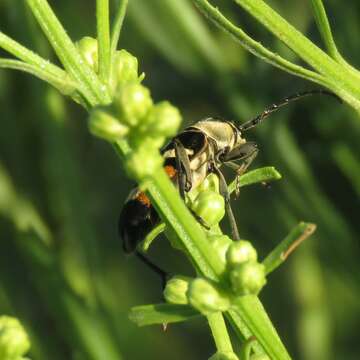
14 342
132 113
246 276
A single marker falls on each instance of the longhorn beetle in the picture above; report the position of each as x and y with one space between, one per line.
189 157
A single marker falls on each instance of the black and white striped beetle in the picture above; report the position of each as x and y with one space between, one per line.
190 156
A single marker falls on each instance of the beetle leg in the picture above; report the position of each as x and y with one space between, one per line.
182 168
225 193
247 153
163 274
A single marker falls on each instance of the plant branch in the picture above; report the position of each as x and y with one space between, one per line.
103 37
63 83
72 60
28 56
219 332
117 25
255 47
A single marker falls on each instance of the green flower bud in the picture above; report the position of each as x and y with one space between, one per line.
211 182
132 103
248 278
104 125
240 252
125 69
176 289
14 342
88 47
163 119
224 356
144 162
210 206
204 297
221 244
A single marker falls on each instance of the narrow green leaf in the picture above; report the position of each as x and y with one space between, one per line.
29 57
264 174
324 28
64 84
300 233
155 232
161 314
89 84
117 26
219 332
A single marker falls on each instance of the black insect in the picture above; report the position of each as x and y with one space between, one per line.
190 156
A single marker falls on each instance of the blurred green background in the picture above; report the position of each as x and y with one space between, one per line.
62 270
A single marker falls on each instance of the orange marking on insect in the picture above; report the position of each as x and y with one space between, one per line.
170 170
142 197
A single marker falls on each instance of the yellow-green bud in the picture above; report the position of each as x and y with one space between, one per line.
221 244
163 119
14 342
125 69
106 126
224 356
144 162
204 297
248 278
239 252
211 182
132 103
210 206
176 289
88 48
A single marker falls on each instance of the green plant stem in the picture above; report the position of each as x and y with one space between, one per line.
117 26
103 37
254 46
325 30
64 84
338 78
299 234
219 332
89 84
29 56
177 217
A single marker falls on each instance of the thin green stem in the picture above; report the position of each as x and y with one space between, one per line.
219 332
63 83
117 26
255 47
324 29
89 84
326 34
337 77
103 37
28 56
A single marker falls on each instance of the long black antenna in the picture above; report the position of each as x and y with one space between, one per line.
275 107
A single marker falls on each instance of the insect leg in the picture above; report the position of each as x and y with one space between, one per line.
182 168
247 153
163 274
225 193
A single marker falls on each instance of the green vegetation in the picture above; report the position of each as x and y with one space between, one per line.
62 270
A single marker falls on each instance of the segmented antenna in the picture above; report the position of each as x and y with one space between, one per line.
275 107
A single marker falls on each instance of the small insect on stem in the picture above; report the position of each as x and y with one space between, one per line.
193 154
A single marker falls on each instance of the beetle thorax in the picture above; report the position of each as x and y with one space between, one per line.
222 134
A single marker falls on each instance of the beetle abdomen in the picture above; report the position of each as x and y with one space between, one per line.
138 217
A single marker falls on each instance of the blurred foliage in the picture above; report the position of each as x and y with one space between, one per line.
62 271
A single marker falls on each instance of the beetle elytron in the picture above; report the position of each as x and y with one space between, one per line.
189 157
